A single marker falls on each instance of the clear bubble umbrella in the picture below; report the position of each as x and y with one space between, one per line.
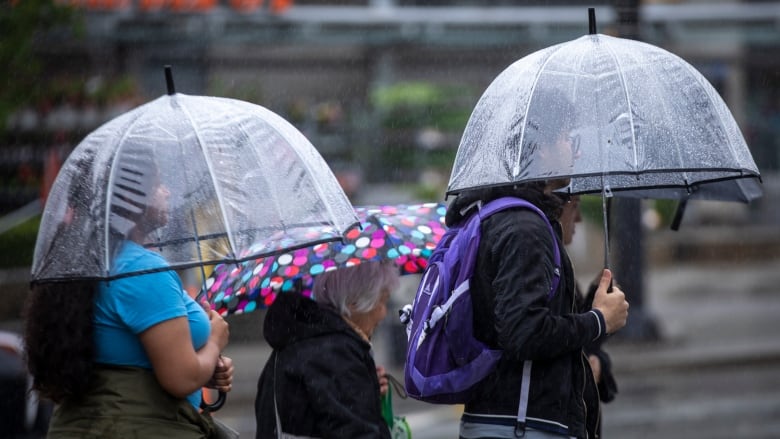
206 180
615 116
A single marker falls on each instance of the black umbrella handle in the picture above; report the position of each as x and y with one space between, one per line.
216 405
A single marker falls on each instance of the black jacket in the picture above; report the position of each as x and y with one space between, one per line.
513 274
326 384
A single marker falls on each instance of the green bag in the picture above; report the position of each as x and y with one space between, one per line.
399 428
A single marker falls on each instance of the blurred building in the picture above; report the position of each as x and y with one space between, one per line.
381 87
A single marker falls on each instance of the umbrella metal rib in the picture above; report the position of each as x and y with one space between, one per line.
534 83
212 174
627 94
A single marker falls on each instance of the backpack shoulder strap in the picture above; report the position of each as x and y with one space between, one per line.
498 205
503 203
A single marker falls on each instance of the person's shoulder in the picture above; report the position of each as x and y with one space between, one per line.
134 257
329 350
341 339
515 228
519 219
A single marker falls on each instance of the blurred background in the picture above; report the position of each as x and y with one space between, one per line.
383 89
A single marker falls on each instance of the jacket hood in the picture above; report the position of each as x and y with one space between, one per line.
293 317
533 192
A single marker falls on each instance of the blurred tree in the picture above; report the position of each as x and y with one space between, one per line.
422 123
23 23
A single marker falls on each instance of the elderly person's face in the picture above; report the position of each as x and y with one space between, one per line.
368 321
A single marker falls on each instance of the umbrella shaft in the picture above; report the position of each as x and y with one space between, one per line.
605 216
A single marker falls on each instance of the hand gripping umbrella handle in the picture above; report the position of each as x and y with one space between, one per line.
216 405
221 398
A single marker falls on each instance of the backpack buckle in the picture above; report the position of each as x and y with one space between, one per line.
405 314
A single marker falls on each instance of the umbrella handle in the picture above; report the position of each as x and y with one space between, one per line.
221 398
606 208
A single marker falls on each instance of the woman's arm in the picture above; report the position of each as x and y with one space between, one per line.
178 367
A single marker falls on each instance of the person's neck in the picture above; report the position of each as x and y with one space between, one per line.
136 235
357 329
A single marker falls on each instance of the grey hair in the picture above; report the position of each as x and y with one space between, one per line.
360 286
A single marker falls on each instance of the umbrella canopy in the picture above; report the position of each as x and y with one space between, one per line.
407 234
615 115
206 178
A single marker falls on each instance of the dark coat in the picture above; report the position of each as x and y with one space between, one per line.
513 274
325 378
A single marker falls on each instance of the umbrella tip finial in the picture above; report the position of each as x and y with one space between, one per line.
169 80
592 21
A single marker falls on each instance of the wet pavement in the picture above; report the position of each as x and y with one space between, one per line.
715 373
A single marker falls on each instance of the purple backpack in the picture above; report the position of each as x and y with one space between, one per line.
443 358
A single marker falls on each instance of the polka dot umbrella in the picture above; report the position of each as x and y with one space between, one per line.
407 234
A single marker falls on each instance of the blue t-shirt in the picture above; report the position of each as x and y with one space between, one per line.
126 307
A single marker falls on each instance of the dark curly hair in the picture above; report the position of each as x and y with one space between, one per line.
58 337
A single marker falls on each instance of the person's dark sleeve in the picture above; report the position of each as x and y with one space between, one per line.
607 384
523 251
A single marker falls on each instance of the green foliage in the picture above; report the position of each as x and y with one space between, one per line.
666 210
591 209
114 90
422 104
406 94
251 93
440 158
428 193
23 27
18 244
421 123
